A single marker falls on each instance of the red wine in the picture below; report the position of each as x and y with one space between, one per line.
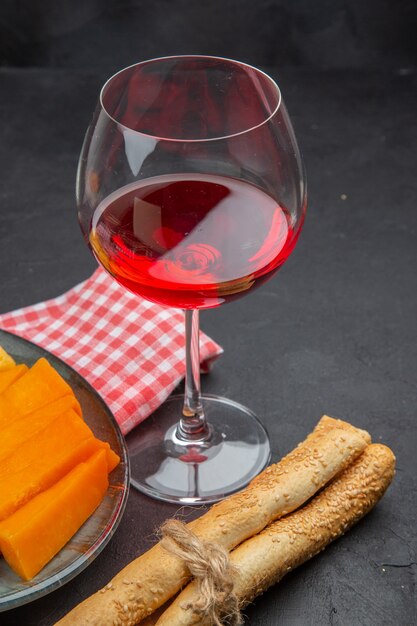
191 240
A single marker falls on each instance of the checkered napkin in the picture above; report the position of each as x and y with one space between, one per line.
130 350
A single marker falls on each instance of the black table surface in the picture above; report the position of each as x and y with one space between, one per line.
334 332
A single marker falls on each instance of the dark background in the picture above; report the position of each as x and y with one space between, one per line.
335 332
110 34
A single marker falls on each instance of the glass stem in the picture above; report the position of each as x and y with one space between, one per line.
192 425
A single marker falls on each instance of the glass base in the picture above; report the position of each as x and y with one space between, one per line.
165 467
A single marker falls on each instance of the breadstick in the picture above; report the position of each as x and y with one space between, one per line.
327 423
153 578
265 558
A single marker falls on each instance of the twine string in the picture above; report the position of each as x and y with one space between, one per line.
212 571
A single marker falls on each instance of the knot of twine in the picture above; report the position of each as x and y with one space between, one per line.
212 571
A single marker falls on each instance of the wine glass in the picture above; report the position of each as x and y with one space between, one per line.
191 193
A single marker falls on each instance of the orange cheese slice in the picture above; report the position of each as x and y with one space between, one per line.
6 361
37 531
9 376
39 462
37 388
15 432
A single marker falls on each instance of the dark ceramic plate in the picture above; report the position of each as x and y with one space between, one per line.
90 540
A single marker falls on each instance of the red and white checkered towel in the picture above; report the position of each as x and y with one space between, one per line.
130 350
